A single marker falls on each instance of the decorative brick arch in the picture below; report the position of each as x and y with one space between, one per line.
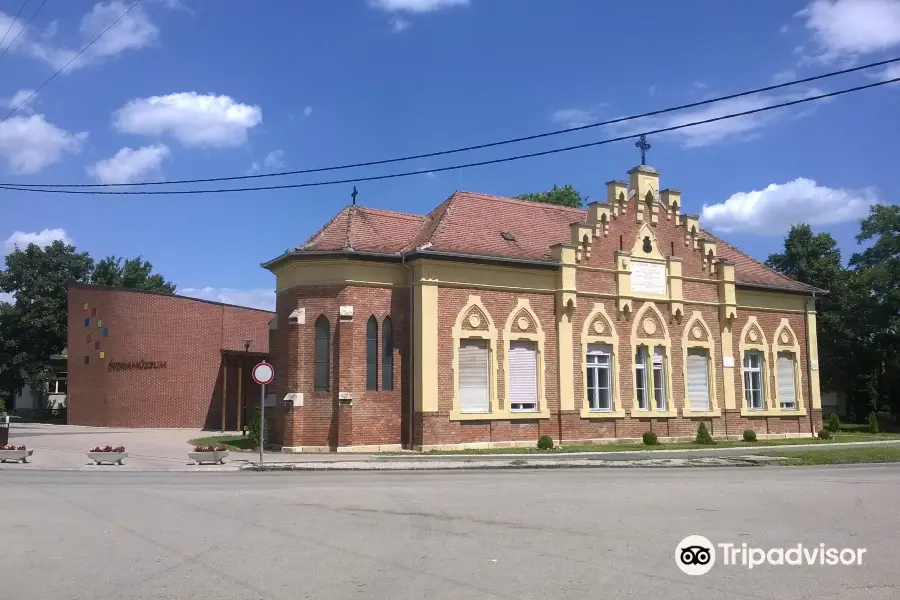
473 321
523 324
599 328
649 329
698 334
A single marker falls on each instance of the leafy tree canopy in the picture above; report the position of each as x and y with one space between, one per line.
561 196
134 273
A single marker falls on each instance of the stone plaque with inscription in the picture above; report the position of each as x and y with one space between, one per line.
648 278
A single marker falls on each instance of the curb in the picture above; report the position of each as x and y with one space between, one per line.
736 461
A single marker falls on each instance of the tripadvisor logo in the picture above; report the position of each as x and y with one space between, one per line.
696 555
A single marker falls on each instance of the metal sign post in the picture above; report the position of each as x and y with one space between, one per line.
263 374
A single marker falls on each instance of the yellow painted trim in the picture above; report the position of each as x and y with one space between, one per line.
596 269
727 337
812 354
762 346
794 348
773 301
609 337
746 412
461 333
638 339
425 347
637 250
688 342
489 277
339 271
509 336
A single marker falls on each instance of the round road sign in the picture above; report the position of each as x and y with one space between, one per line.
263 373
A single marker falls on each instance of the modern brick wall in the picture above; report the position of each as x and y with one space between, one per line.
188 335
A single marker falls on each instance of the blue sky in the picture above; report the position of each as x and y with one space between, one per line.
195 88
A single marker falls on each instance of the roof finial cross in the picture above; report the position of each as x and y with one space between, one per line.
354 195
643 146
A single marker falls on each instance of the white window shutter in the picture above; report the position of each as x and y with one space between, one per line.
522 376
698 379
787 386
474 377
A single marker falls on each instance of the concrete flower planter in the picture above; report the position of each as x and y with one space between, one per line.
215 457
15 455
107 457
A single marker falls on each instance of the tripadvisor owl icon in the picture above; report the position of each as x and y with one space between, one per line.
695 555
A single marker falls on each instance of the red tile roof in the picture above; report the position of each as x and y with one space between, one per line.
472 224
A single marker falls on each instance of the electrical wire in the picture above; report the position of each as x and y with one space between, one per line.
475 147
461 166
11 25
21 31
73 59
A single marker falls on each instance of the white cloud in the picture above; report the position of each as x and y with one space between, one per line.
20 97
742 128
773 210
30 143
784 29
274 160
415 6
129 165
191 118
784 76
133 31
263 298
575 117
43 238
14 28
307 111
891 71
398 25
848 28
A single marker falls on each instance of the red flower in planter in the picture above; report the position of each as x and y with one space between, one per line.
108 448
119 449
22 447
12 447
221 448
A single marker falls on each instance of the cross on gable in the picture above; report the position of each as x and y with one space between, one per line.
643 146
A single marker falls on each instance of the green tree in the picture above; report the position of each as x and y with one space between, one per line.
34 327
134 273
561 196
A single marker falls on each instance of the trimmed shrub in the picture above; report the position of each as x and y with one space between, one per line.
824 434
749 435
703 436
833 424
650 438
253 428
545 442
873 423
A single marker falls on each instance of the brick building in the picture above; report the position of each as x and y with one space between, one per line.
492 321
141 359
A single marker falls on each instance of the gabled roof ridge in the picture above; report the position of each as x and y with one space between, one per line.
311 239
431 226
351 211
521 202
391 213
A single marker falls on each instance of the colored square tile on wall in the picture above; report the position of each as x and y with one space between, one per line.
87 359
105 332
87 322
96 345
85 306
88 338
93 312
102 354
99 323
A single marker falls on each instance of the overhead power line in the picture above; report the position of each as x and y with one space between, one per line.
21 31
73 59
475 147
11 25
48 190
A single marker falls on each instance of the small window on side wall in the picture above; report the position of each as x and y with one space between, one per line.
372 354
322 354
387 355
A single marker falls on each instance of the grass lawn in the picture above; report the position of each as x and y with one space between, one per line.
852 436
235 443
842 456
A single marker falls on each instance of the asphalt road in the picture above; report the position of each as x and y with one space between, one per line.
555 534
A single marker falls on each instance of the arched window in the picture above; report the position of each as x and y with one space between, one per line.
372 354
387 355
322 354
